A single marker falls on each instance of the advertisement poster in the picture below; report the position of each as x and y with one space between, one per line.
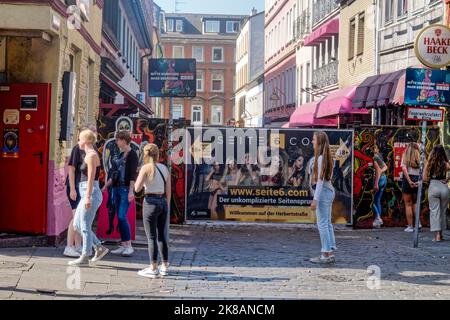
10 143
392 142
399 150
425 87
261 175
143 131
173 78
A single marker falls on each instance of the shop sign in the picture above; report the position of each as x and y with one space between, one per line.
433 46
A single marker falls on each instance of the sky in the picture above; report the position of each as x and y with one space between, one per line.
241 7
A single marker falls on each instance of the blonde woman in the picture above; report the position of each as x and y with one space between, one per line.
323 197
411 172
156 180
91 199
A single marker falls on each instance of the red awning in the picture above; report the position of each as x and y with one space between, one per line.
305 116
339 102
133 101
322 33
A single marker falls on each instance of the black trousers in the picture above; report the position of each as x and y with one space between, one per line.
155 211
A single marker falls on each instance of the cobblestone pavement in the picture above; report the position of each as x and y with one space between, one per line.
229 261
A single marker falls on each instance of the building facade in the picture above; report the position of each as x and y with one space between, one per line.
127 46
250 72
280 61
211 40
43 42
357 42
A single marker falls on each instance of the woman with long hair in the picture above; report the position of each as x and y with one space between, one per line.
155 178
323 197
297 174
438 194
230 175
380 184
215 189
91 199
411 172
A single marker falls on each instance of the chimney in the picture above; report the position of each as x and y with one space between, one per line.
254 12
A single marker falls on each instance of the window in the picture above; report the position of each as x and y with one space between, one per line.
177 112
388 10
200 81
360 49
232 27
217 54
216 115
178 52
212 26
402 7
308 80
197 53
170 25
179 26
351 39
197 115
217 82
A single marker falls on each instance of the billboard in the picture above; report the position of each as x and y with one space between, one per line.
173 78
425 87
262 175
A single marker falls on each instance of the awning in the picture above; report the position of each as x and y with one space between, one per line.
133 101
286 126
339 102
305 116
381 90
322 33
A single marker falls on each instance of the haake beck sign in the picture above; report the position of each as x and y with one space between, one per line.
433 46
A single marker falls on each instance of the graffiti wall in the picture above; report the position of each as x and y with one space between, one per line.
143 131
391 141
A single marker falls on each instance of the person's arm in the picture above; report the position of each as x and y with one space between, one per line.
90 161
377 176
319 185
209 175
133 167
425 173
405 173
140 180
73 190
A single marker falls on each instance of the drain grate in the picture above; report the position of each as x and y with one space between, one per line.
12 265
333 278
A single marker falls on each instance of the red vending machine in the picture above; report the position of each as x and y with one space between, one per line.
25 112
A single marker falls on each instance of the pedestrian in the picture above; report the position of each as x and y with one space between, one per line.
74 248
155 178
324 195
436 171
122 178
380 184
91 199
411 172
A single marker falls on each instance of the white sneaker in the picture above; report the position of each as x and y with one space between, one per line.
118 251
80 262
148 273
128 252
409 229
79 250
164 270
71 252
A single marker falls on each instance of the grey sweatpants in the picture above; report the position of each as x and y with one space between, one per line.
438 197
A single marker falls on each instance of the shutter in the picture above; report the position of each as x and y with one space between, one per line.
361 23
351 39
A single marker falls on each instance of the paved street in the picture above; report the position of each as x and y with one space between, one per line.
243 261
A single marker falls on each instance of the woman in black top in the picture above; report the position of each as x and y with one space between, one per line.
438 194
122 178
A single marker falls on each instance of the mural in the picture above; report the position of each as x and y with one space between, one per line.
388 139
144 131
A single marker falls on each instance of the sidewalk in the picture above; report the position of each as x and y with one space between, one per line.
229 261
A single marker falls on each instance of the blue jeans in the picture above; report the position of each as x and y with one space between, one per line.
120 198
323 213
378 195
84 218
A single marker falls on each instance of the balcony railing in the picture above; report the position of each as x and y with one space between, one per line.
326 75
302 26
322 8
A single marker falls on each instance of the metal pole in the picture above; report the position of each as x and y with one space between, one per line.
419 193
169 165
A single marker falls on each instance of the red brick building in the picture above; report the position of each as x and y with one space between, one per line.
211 40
